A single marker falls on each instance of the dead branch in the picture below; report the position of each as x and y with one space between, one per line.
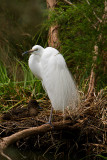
71 4
68 2
6 141
85 119
5 156
94 13
98 145
92 76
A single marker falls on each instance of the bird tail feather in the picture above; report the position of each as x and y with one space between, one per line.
61 88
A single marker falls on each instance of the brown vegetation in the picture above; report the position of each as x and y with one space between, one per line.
86 128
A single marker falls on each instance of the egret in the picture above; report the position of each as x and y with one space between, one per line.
48 65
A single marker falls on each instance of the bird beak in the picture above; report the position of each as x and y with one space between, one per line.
30 51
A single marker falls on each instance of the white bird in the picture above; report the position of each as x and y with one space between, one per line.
49 66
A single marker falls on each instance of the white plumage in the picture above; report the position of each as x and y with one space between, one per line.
50 67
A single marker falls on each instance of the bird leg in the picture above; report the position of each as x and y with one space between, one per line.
50 117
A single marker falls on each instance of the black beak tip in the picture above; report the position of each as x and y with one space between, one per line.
24 53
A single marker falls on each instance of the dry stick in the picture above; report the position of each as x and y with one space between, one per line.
71 4
6 141
16 104
68 2
4 155
92 76
94 13
98 145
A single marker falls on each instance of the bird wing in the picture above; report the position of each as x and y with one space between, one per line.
58 82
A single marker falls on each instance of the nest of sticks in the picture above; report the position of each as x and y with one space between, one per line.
80 134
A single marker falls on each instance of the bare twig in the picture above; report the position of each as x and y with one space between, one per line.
68 2
92 76
6 141
98 145
4 155
94 13
88 2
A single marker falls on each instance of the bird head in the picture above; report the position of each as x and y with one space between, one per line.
37 50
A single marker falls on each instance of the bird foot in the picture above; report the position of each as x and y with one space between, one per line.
49 122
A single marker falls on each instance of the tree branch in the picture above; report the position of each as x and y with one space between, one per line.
4 155
6 141
94 13
68 2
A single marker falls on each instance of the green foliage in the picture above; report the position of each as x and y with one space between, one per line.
79 31
102 157
3 74
13 91
93 156
20 29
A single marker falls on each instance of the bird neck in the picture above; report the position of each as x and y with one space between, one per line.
34 65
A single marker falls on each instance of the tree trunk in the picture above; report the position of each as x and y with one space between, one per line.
53 39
